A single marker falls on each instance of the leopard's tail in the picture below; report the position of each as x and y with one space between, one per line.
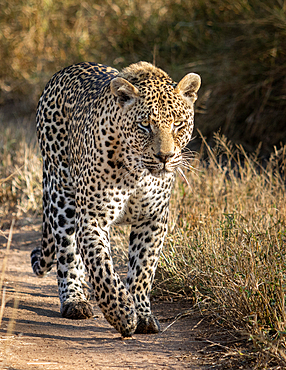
42 264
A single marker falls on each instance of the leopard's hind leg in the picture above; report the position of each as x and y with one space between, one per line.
43 257
59 239
70 269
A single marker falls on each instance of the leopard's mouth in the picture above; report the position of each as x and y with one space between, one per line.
160 170
160 166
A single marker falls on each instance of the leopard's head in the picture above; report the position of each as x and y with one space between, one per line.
157 116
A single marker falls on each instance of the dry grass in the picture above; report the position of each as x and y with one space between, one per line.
227 244
20 172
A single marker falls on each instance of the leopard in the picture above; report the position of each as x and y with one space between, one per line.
111 143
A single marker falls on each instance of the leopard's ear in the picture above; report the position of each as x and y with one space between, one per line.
124 90
188 87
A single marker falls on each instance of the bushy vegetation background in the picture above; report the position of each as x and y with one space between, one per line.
227 242
238 47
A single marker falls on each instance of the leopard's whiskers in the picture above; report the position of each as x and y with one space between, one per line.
183 176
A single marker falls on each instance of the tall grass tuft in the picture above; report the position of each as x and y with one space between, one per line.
227 242
20 172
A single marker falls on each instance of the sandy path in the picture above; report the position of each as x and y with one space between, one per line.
42 339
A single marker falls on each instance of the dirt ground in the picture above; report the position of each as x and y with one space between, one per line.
34 335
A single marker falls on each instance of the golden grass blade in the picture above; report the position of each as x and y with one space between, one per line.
209 150
3 302
4 265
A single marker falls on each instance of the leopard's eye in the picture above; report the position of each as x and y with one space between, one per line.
178 123
145 125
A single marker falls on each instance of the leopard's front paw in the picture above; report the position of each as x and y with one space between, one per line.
124 321
77 310
147 325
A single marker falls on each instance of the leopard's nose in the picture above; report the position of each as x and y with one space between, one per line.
164 157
